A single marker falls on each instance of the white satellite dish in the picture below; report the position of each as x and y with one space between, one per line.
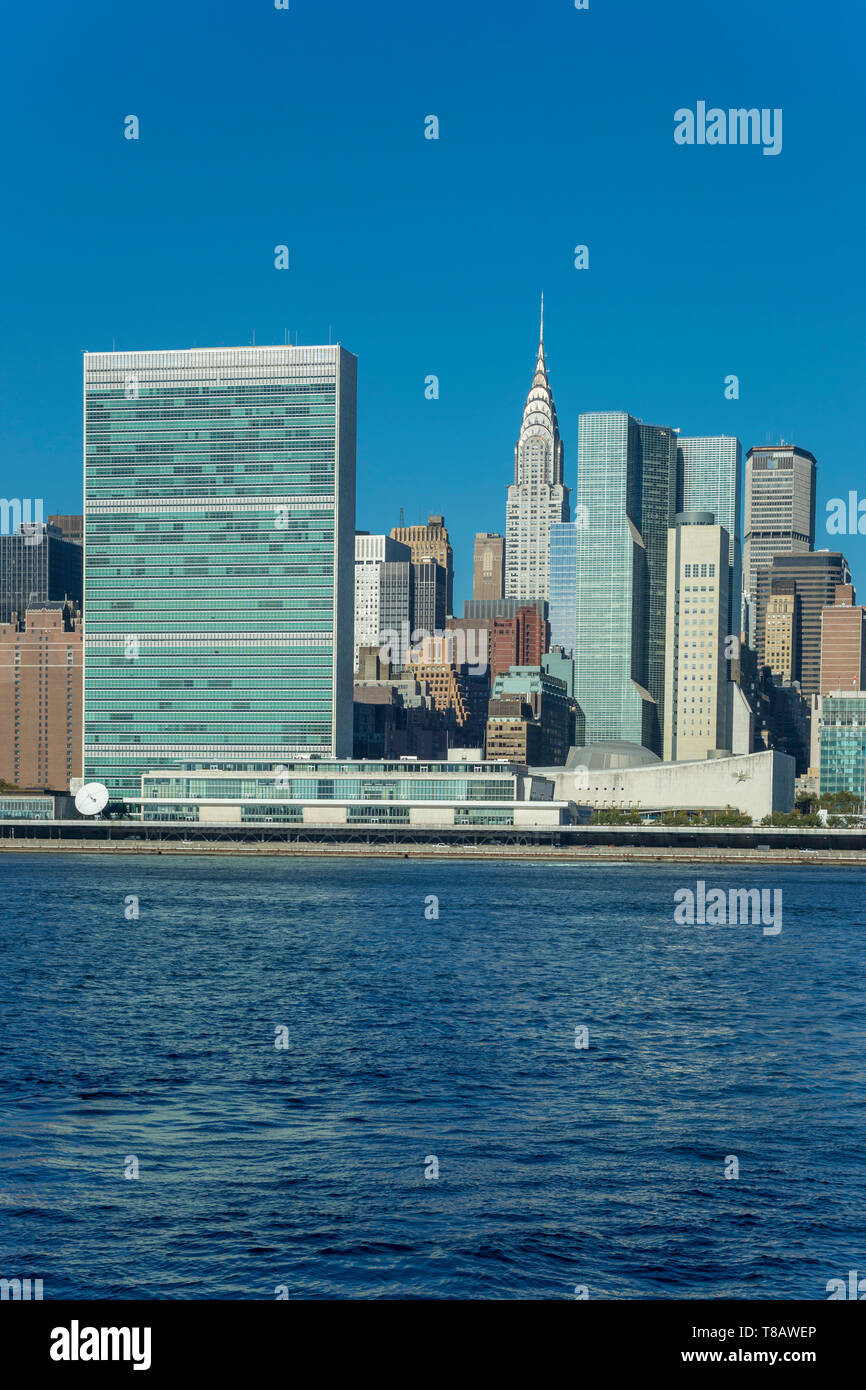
92 799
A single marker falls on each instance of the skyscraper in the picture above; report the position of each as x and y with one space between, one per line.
431 542
537 498
371 552
709 479
839 732
488 567
696 675
813 578
779 516
40 697
38 566
781 631
563 585
431 588
626 494
518 641
396 610
843 643
219 549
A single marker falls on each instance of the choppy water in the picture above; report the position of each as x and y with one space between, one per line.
412 1038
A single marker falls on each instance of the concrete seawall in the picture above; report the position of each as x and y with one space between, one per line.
612 854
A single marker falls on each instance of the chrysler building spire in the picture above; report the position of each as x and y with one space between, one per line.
537 496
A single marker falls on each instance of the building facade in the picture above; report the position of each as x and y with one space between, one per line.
219 557
410 793
431 542
488 566
843 643
538 497
563 585
841 739
710 479
512 731
813 577
518 641
70 526
696 677
485 610
41 674
431 596
756 784
551 706
38 566
779 513
627 478
371 553
781 630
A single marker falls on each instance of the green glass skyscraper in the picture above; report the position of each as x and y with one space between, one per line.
626 482
219 489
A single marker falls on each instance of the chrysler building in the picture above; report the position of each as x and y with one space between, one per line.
537 496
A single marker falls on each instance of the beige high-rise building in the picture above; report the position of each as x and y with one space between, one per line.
696 666
780 632
431 542
488 569
41 698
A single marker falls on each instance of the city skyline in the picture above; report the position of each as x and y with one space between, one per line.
726 466
721 281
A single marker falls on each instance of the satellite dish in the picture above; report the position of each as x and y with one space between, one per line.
92 799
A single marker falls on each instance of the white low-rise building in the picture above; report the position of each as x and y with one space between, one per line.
623 776
462 791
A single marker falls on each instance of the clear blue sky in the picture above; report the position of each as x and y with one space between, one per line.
306 127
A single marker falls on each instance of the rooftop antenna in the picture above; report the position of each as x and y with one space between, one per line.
254 337
329 335
402 521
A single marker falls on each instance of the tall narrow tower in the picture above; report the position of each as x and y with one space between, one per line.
537 497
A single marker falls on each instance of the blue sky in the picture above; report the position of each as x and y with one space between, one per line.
306 127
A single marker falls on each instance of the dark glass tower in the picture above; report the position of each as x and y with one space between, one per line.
36 567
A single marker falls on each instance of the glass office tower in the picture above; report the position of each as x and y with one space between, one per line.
219 490
842 734
37 566
563 585
626 483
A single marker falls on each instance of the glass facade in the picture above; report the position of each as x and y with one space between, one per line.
363 786
37 568
26 807
626 493
219 557
658 502
843 744
563 585
335 793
